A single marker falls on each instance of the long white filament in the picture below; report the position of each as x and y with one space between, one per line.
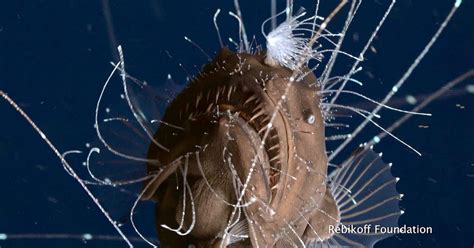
400 82
66 165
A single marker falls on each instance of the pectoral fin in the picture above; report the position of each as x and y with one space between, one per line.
364 192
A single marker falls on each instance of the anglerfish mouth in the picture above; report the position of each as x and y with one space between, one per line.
221 91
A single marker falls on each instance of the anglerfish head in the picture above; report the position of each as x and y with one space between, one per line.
246 160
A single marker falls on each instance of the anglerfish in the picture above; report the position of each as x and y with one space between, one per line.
242 163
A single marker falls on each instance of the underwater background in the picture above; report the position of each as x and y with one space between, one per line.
54 59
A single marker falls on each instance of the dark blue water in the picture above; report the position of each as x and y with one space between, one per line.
54 58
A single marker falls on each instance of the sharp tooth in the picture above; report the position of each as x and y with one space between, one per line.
259 113
262 129
251 98
258 107
229 92
274 158
223 89
198 99
255 110
274 147
187 107
218 92
209 107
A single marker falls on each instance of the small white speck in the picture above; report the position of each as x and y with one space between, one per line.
457 3
272 212
470 88
411 99
87 236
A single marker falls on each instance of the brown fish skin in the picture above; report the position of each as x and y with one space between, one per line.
320 221
288 182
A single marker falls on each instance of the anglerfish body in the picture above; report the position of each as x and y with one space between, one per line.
243 161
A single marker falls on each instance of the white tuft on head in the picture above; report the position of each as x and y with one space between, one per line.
287 44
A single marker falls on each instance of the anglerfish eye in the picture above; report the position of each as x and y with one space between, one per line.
309 117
